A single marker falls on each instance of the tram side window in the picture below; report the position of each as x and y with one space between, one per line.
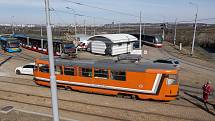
44 68
118 75
86 72
58 70
101 73
69 71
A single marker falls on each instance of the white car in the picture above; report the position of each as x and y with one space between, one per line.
26 69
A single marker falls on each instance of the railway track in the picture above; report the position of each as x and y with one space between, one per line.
135 113
34 85
20 56
62 109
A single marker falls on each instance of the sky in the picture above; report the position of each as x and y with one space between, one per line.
155 11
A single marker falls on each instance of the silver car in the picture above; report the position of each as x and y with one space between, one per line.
173 62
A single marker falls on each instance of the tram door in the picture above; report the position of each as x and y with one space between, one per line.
58 72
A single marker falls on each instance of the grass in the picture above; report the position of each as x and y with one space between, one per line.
199 53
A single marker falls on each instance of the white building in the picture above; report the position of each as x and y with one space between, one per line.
112 44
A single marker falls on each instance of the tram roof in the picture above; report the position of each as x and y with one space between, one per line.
113 65
114 38
34 37
7 38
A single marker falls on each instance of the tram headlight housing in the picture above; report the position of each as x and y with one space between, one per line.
172 80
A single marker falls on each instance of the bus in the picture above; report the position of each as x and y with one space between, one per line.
155 41
10 44
136 80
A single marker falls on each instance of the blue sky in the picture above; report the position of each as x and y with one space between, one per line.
32 11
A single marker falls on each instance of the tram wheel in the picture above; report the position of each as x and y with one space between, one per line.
134 97
18 72
120 95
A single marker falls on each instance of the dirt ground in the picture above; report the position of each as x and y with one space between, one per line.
32 102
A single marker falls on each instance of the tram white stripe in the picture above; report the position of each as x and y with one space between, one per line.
156 83
153 91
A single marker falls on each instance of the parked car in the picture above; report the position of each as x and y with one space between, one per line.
26 69
173 62
69 48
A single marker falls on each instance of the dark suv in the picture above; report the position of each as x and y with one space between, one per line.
69 48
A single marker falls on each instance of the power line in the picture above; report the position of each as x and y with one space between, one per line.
110 10
82 15
82 4
204 19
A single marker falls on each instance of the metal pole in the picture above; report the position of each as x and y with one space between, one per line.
42 43
51 65
94 31
143 28
60 49
194 33
119 29
140 31
12 25
41 31
85 28
175 31
163 32
75 26
28 41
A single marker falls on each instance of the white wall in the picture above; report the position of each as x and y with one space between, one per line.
121 48
98 47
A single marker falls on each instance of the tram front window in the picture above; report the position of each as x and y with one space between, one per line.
44 68
172 79
13 44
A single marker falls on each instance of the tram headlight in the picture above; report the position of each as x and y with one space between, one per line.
172 79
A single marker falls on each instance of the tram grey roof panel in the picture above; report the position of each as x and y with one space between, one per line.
117 66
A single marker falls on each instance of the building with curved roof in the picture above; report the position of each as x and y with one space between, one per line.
112 44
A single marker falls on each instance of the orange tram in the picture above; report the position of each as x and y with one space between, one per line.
137 80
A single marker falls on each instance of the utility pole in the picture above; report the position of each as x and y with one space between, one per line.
12 17
41 31
51 64
140 31
94 31
195 26
174 40
163 31
144 28
85 28
75 26
119 28
74 16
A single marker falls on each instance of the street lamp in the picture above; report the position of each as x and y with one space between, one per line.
194 33
51 64
140 38
175 31
12 18
74 12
